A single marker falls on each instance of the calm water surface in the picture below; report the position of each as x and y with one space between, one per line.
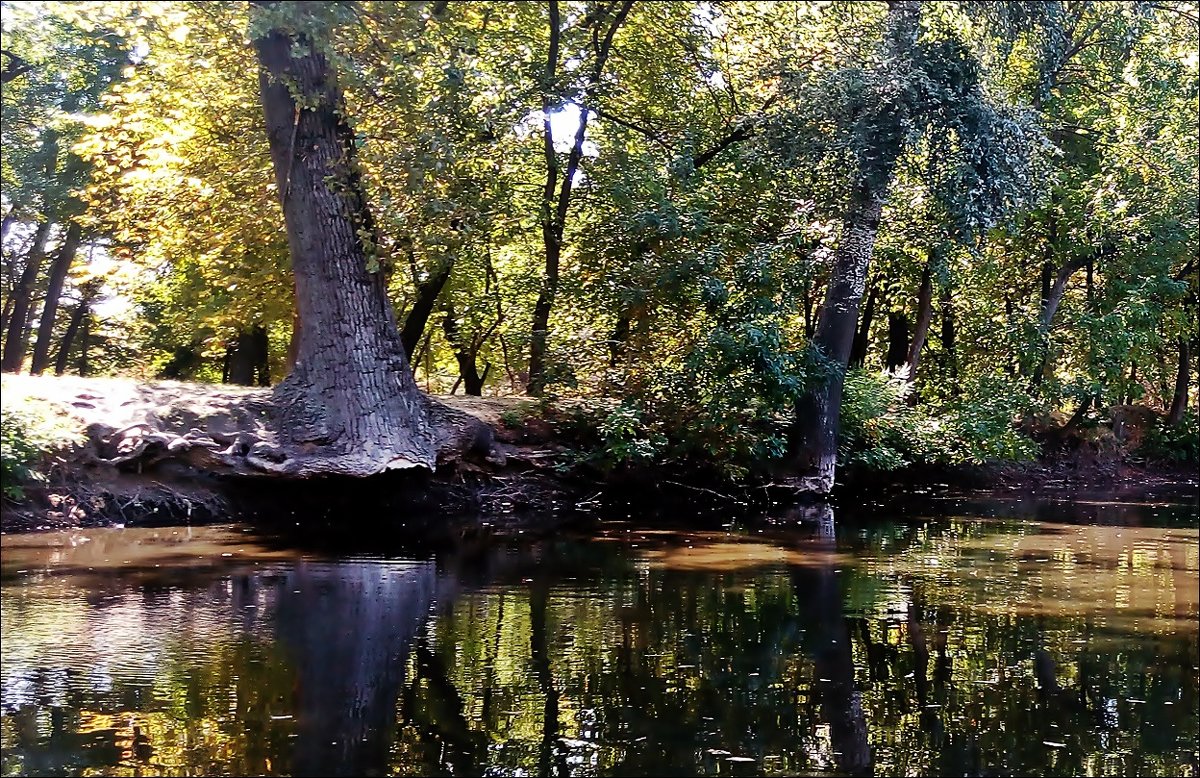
999 638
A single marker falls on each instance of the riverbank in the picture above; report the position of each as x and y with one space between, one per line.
106 451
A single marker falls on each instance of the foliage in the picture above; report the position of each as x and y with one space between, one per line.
881 430
30 437
1022 142
1176 443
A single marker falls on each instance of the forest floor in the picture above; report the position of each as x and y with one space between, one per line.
106 451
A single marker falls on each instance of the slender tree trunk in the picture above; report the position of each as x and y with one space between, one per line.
468 369
350 405
897 353
809 303
1056 292
620 336
85 344
1182 380
814 433
64 347
551 235
418 316
1051 299
554 211
948 335
924 317
22 302
58 276
862 338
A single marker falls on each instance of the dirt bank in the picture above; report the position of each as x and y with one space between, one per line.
117 451
127 452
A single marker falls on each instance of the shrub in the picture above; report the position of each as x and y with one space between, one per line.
880 430
30 437
1178 443
979 425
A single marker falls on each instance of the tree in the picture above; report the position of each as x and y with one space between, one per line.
350 405
923 98
605 20
64 67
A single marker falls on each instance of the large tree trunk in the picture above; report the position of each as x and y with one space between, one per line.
814 433
924 317
350 405
22 303
1182 379
58 276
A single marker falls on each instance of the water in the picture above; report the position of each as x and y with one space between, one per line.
997 638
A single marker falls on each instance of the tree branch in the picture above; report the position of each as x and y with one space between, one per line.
16 66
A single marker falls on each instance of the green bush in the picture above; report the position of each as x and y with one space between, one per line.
881 430
19 455
979 425
1179 443
30 437
722 403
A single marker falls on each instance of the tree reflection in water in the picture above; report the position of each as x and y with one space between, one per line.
950 646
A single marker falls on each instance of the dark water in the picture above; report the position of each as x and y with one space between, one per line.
1001 638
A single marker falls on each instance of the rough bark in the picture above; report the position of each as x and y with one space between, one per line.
350 405
814 432
294 341
924 317
862 338
554 209
22 303
58 276
1182 379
